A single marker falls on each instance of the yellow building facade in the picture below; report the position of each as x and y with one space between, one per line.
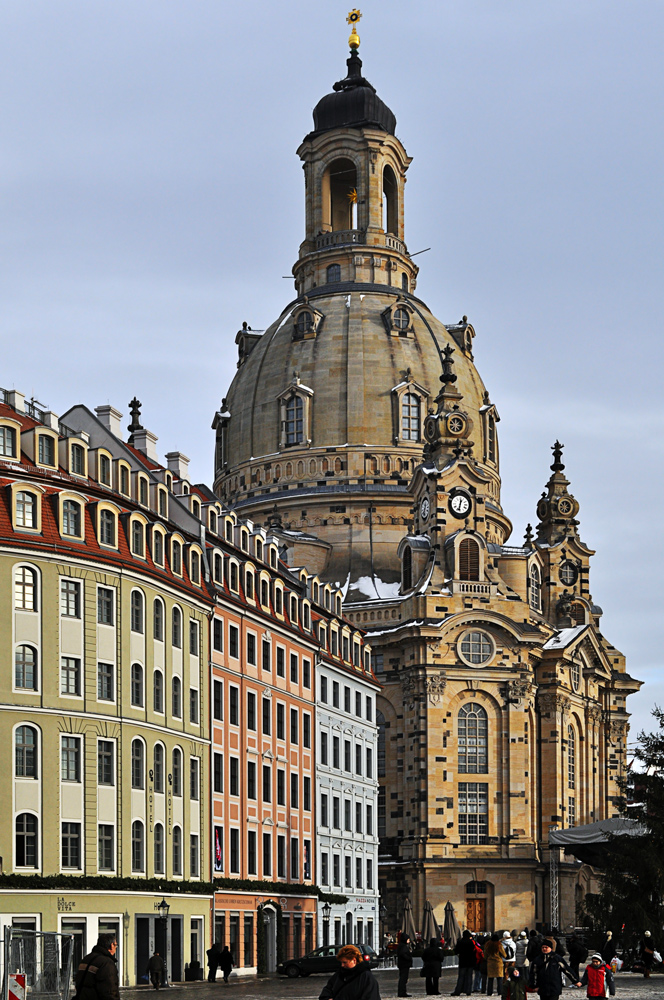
103 692
359 428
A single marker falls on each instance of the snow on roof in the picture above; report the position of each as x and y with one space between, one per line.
564 637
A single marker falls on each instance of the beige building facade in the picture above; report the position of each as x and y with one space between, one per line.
360 430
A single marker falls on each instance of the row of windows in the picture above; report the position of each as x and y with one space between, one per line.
364 871
269 790
266 653
268 715
71 847
361 822
71 763
352 761
348 698
266 855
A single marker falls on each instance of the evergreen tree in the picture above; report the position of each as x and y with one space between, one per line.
631 897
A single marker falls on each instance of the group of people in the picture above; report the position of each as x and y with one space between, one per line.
531 962
219 958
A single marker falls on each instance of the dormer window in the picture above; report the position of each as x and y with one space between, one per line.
295 415
176 557
304 323
46 450
196 508
143 491
105 470
213 522
162 496
137 538
26 510
259 549
411 417
107 527
77 460
124 480
408 410
244 540
398 319
71 518
294 420
7 442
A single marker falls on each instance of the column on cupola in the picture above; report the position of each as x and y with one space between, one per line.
593 720
552 706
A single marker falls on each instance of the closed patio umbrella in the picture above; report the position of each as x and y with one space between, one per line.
451 929
430 928
407 922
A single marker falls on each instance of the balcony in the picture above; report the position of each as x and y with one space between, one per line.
342 237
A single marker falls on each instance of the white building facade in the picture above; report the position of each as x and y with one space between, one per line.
347 803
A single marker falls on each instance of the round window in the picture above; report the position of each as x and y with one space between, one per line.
401 319
476 647
568 574
305 322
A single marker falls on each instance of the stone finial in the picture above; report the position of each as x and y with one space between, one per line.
135 410
448 375
528 537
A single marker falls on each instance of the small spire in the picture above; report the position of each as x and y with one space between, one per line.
135 410
557 450
354 19
528 537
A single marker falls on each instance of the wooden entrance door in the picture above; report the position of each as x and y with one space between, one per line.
475 914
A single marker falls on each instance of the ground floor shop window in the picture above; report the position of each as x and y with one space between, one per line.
220 928
308 935
288 944
248 940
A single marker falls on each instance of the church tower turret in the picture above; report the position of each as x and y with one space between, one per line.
355 175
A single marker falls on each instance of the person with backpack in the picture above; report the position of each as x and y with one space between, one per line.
521 946
598 979
466 949
509 948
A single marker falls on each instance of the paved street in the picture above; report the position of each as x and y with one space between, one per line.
628 987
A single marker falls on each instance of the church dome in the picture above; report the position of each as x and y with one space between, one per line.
353 103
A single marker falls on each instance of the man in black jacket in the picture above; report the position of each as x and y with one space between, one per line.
467 953
404 962
97 975
546 972
353 981
156 970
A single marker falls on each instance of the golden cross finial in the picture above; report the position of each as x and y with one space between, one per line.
354 19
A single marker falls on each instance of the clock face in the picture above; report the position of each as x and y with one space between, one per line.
460 504
425 508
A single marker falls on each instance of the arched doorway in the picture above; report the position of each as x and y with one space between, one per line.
269 917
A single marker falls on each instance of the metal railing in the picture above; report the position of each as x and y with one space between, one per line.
44 957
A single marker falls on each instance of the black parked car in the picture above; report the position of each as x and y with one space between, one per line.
323 960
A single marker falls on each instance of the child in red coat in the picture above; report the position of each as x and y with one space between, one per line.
598 978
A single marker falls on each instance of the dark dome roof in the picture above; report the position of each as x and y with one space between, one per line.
354 103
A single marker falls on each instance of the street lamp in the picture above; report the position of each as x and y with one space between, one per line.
126 920
382 917
163 909
327 910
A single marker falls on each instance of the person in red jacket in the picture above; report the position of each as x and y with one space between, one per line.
598 978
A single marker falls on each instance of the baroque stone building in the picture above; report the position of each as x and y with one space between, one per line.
359 429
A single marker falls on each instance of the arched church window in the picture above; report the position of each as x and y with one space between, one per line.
410 416
390 202
535 589
294 420
407 568
334 273
401 319
571 757
469 560
578 614
472 732
404 282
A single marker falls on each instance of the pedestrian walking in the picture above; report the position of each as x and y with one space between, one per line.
578 953
353 981
598 979
156 970
226 962
479 979
495 963
466 949
97 975
432 964
515 985
521 947
404 963
546 972
213 956
534 949
647 950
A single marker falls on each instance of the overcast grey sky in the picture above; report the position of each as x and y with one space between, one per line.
151 201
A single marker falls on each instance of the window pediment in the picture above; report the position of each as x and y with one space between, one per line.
398 319
307 321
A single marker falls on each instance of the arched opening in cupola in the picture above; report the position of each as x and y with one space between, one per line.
340 196
390 202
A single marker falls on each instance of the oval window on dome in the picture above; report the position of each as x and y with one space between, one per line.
476 647
568 573
401 319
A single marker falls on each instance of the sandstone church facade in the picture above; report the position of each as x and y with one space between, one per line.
360 430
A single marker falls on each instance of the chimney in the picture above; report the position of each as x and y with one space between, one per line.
146 442
110 418
17 400
179 464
